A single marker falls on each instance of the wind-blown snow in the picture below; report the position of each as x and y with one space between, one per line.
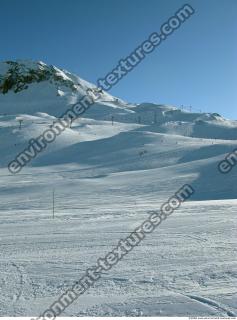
106 178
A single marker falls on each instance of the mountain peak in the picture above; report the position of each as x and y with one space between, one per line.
18 75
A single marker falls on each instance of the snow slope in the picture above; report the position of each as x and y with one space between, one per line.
106 178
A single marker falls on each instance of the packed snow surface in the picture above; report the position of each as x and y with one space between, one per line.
106 177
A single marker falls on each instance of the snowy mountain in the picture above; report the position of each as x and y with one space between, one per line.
28 87
113 165
142 137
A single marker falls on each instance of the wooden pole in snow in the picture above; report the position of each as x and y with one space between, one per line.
53 203
20 122
155 117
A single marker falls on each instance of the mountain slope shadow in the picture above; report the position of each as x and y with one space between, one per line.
213 185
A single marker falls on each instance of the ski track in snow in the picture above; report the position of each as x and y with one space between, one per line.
171 272
214 304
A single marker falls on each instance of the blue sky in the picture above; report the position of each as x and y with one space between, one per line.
195 66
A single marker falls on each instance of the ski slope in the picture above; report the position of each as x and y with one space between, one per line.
106 178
